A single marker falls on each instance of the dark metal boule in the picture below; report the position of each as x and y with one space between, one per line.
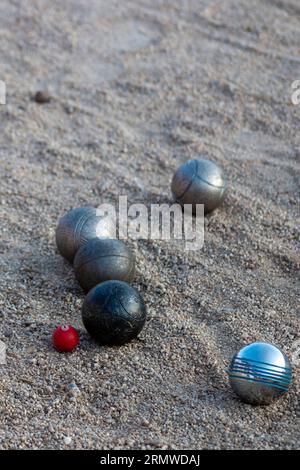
78 226
199 182
102 260
113 313
42 97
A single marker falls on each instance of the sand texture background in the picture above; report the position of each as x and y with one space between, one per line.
139 87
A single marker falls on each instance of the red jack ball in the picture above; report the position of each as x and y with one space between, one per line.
65 338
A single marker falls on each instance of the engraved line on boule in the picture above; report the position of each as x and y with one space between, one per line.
209 184
283 377
188 186
128 313
195 176
102 256
78 228
237 358
261 375
270 384
204 181
262 371
77 231
248 366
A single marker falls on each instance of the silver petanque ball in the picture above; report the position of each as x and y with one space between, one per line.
260 373
78 226
102 260
199 182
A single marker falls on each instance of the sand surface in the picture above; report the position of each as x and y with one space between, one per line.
139 87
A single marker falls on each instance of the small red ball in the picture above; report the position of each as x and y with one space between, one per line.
65 338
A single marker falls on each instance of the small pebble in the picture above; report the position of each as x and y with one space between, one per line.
67 440
8 332
42 97
145 422
73 389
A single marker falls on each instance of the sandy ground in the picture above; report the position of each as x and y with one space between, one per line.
139 87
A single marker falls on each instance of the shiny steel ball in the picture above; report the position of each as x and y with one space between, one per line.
260 373
103 260
78 226
113 313
199 182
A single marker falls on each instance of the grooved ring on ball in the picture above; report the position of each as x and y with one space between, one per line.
263 374
265 382
190 183
80 224
199 182
196 176
237 358
261 365
258 373
99 257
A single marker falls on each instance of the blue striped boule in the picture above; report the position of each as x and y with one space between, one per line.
260 373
